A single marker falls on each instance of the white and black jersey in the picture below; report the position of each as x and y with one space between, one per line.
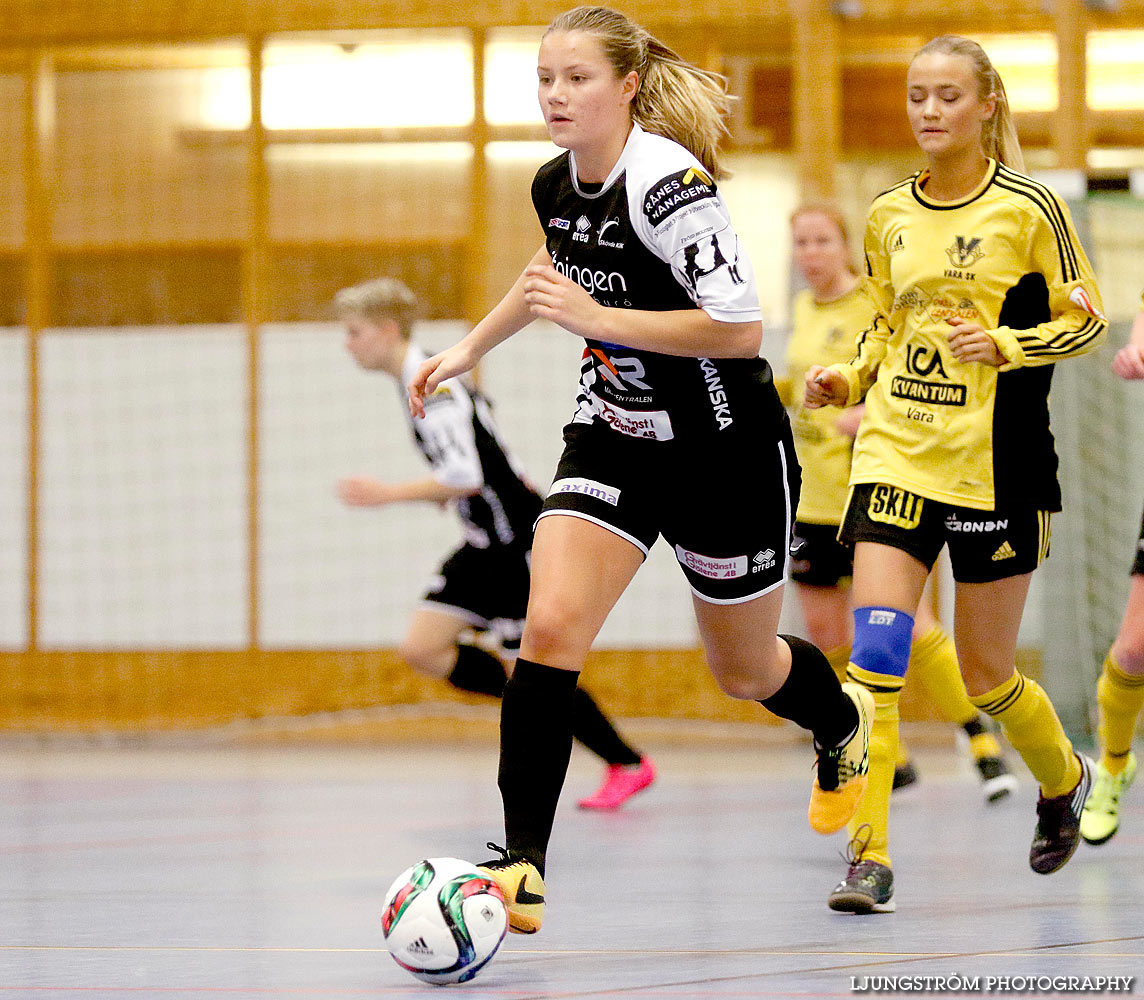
656 236
694 450
462 445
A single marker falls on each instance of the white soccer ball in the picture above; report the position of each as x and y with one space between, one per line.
443 920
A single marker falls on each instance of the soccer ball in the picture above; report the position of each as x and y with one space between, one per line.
443 920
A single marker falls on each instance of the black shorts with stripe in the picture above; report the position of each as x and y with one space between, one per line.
487 588
724 502
984 545
817 557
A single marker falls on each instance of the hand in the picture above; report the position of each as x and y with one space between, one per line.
550 295
433 371
970 342
825 387
362 491
1129 362
849 419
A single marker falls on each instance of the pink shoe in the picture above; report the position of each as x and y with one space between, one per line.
620 784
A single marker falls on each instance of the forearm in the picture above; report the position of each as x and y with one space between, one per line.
426 489
1137 337
688 333
507 317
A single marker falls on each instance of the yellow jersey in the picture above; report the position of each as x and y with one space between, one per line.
822 333
1005 256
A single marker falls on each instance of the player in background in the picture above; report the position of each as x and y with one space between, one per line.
483 586
1120 691
827 317
677 431
980 284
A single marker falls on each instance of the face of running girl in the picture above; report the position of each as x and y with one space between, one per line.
370 342
585 104
820 252
943 102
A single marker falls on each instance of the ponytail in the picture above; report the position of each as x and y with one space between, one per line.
998 133
675 99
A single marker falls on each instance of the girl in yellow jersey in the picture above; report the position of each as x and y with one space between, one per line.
827 316
1120 691
980 284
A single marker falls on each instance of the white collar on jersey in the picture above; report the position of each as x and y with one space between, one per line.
621 165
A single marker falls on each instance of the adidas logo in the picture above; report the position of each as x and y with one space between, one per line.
419 947
763 560
1005 552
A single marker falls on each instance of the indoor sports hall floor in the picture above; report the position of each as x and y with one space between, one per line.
239 869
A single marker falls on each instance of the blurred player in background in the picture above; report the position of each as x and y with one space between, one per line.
483 586
678 430
1120 692
979 284
827 318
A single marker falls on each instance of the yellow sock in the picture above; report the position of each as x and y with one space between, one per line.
874 810
839 659
1119 697
1029 720
933 659
984 745
903 754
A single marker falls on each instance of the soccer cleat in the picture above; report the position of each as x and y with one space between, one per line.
997 781
1057 834
868 886
840 773
1101 816
620 784
523 889
905 774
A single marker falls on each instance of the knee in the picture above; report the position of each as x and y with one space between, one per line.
552 636
433 661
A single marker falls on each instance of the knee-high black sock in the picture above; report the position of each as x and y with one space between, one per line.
592 728
812 697
477 671
536 744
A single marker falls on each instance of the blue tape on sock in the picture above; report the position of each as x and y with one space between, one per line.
882 639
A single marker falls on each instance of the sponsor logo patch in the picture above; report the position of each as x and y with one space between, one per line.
676 191
1079 297
559 224
893 505
654 425
588 488
712 567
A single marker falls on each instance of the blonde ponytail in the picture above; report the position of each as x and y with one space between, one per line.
675 99
998 133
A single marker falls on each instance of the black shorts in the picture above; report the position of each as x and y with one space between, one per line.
488 588
1138 563
817 557
984 545
725 504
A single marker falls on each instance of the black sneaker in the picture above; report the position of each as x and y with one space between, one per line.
1057 834
905 775
868 886
997 781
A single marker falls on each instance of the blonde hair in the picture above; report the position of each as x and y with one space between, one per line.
832 212
998 133
675 99
379 299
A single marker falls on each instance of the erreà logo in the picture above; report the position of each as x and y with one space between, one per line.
965 252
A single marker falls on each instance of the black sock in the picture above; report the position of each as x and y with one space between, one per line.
536 744
477 671
974 727
592 728
812 697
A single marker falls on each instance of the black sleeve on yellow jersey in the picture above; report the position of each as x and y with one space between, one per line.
1055 311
